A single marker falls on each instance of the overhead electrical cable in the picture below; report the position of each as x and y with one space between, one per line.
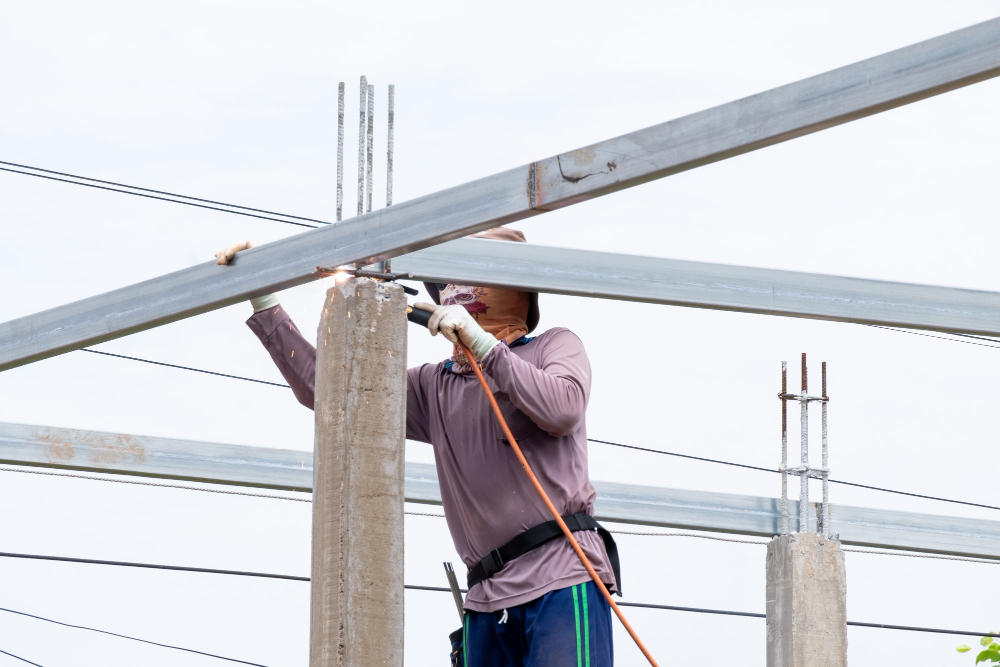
992 340
774 470
129 637
178 198
950 340
185 368
175 201
163 485
151 566
750 614
441 589
161 192
17 657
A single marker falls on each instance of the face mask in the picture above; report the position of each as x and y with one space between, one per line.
501 312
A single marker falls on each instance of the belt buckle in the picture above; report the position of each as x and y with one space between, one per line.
492 562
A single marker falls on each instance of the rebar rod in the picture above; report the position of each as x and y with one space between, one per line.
388 157
340 151
363 106
826 460
784 448
389 143
804 452
371 131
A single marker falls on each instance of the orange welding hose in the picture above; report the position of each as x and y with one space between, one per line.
552 508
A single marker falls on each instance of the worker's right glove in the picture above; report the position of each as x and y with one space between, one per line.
258 303
455 322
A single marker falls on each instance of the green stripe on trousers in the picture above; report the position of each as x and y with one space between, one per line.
576 613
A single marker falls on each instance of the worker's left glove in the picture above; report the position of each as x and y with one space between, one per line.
455 322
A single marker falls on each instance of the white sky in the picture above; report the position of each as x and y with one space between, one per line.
236 101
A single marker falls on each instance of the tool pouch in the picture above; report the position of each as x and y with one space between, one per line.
457 648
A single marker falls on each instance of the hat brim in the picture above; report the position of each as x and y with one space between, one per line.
435 293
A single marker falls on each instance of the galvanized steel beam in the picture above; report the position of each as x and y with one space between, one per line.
867 87
116 453
704 285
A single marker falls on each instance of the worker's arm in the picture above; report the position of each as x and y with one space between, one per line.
295 356
553 396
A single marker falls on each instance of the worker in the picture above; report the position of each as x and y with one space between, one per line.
530 600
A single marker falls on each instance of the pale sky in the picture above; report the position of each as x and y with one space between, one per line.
236 101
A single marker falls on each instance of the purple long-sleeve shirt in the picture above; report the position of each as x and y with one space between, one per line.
542 388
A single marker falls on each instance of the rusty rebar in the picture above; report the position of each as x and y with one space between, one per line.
784 447
804 452
826 461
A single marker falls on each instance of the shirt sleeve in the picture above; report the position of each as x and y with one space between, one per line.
295 358
417 424
554 395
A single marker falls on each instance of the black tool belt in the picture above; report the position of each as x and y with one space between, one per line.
537 536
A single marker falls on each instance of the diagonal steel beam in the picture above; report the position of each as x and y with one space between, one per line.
118 453
678 282
867 87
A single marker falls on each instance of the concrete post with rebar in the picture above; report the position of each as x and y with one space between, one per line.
806 578
357 545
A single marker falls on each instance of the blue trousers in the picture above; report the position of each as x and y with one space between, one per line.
569 627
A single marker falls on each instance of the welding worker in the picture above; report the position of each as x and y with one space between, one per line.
530 600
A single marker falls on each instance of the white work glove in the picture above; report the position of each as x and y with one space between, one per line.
259 303
455 322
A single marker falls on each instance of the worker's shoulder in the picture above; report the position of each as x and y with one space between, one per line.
428 370
557 336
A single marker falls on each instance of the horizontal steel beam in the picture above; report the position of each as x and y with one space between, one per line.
704 285
93 451
884 82
149 456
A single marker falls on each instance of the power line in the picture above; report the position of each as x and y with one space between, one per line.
161 485
950 340
185 368
992 340
439 589
681 456
175 201
152 566
135 639
410 513
159 192
750 614
717 538
17 657
773 470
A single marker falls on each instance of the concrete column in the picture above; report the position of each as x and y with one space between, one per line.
357 544
806 602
